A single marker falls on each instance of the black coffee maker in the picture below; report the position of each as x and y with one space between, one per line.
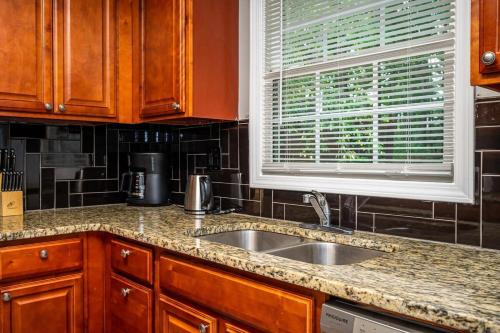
147 181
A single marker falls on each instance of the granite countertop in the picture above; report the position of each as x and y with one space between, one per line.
455 286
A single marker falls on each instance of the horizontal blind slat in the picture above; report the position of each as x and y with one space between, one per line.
359 80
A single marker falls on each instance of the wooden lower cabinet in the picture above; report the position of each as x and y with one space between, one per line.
131 306
46 306
227 327
132 260
257 304
177 317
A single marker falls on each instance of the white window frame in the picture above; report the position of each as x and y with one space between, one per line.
460 190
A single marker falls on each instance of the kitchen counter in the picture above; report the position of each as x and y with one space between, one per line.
451 285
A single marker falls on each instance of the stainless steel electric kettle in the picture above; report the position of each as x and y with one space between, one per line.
199 197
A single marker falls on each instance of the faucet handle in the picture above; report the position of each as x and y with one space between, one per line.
306 198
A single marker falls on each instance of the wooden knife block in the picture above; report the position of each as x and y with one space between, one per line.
11 203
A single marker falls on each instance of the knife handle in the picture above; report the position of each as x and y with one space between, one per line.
11 161
3 159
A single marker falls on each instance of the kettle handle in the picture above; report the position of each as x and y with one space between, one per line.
126 176
206 190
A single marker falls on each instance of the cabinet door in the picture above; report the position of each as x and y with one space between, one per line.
131 306
158 49
45 306
489 35
84 73
26 55
177 317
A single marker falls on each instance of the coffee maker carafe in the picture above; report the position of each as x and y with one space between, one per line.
147 181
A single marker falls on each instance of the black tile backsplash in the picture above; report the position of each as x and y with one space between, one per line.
48 183
32 181
73 166
62 194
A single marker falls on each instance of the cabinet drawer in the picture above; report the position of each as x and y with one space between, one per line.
40 258
259 305
131 306
177 317
131 259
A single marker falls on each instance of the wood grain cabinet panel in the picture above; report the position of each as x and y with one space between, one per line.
25 55
177 317
40 258
258 305
158 43
185 54
485 39
52 305
84 72
227 327
133 260
131 307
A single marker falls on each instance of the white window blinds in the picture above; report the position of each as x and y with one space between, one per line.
359 87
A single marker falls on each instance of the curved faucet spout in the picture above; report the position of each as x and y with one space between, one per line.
320 205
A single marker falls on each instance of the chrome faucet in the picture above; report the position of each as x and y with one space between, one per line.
322 208
320 205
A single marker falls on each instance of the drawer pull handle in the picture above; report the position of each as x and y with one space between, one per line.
202 328
124 253
176 106
44 254
6 297
48 106
125 292
488 58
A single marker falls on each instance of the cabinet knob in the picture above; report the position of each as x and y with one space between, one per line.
6 297
48 106
125 292
44 254
488 58
176 106
124 253
202 328
62 108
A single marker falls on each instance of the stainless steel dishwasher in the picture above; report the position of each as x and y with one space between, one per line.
341 317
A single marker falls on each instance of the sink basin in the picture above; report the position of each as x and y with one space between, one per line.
294 247
326 253
254 240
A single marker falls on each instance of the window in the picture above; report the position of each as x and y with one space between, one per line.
362 97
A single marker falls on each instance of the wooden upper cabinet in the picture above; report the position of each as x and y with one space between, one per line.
84 72
25 55
158 43
132 61
186 59
485 43
177 317
52 305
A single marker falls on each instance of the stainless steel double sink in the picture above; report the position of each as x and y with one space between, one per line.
294 247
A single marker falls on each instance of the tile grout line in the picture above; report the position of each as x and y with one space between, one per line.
481 202
356 212
456 223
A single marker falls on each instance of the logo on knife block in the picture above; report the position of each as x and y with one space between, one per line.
11 203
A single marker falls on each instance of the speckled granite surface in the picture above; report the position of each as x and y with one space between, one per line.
446 284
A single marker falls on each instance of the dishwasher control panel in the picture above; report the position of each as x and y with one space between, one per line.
340 317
